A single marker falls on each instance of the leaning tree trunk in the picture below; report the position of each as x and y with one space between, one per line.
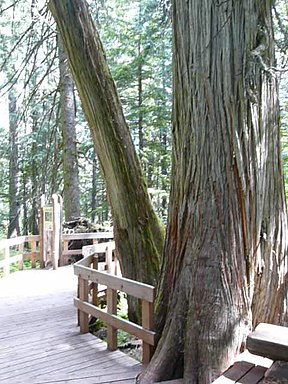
14 204
71 191
226 245
138 232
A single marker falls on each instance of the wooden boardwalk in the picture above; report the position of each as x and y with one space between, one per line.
248 369
39 340
41 344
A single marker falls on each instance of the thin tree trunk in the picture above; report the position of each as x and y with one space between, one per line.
140 85
71 200
25 220
94 200
226 239
34 228
138 232
14 204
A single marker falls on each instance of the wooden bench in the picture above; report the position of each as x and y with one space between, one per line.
270 341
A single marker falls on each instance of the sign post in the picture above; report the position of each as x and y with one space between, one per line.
50 232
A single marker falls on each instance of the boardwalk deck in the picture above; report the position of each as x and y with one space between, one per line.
248 369
40 342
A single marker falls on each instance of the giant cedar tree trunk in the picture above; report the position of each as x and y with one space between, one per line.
138 233
14 205
226 246
71 191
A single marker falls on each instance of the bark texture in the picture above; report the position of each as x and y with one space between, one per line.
138 233
14 204
225 252
71 193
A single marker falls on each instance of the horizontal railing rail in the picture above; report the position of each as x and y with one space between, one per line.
94 236
86 270
33 252
18 242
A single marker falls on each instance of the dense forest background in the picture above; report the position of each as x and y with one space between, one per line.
33 142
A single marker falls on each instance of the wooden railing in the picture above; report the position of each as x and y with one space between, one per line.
89 277
33 253
19 242
94 236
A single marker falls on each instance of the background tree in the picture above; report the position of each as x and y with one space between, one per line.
225 254
137 230
225 194
71 198
14 204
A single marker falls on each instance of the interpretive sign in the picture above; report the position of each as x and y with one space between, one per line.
48 218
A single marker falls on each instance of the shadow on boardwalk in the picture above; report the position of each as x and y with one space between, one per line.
39 339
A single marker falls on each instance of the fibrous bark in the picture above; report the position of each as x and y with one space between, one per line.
138 233
226 246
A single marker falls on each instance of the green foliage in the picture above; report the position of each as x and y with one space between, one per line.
137 39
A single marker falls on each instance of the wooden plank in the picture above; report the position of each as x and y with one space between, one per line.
234 373
83 296
13 259
42 233
39 340
125 325
6 265
108 258
147 323
105 377
51 359
112 310
87 236
270 341
30 238
95 285
98 248
131 287
254 376
21 251
11 242
70 252
91 374
28 255
33 251
254 359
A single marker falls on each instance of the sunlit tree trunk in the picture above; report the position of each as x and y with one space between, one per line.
225 255
138 232
14 204
34 224
71 195
94 199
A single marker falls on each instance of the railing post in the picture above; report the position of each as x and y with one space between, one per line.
112 309
115 263
21 251
83 295
56 231
95 285
60 202
65 250
6 268
33 251
42 234
148 323
108 258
